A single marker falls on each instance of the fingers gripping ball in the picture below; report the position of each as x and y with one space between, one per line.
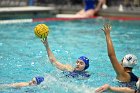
41 31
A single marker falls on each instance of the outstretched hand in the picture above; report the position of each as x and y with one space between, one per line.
107 28
102 88
44 41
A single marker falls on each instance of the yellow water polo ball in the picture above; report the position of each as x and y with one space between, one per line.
41 31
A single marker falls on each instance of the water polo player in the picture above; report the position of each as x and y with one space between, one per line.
123 69
82 64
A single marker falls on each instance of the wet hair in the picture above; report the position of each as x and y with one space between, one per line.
130 68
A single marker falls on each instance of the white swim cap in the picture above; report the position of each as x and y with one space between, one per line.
138 84
129 60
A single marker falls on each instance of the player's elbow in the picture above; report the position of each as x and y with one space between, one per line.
52 60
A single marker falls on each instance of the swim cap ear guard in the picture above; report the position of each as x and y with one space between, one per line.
39 79
138 84
85 60
129 60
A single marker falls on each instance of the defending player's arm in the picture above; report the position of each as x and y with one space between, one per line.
111 52
54 60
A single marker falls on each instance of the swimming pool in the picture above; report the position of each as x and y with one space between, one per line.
23 56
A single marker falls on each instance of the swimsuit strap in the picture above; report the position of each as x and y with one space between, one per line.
133 77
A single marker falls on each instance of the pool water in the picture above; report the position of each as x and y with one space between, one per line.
23 56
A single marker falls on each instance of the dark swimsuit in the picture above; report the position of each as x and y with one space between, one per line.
133 77
89 4
76 74
132 82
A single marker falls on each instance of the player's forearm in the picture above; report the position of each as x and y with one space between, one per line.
50 54
121 89
110 48
22 84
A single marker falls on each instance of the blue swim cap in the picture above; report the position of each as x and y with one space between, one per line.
86 60
39 79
